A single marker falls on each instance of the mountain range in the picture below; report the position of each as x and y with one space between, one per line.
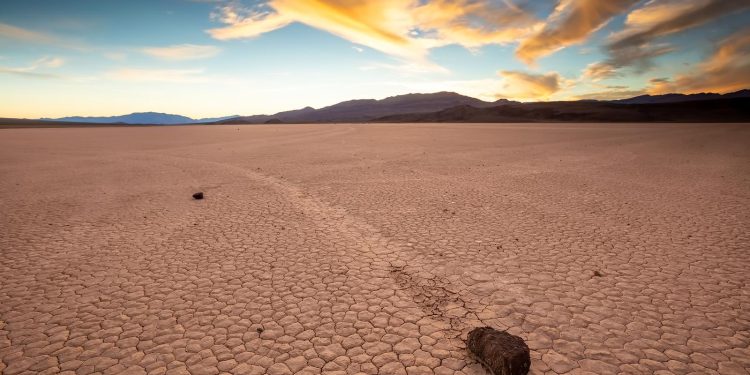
676 98
453 107
369 109
140 118
717 110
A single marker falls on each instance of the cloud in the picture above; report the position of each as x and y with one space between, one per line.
245 22
30 36
525 86
640 58
32 70
182 52
726 70
23 73
614 94
48 62
600 70
472 24
660 18
17 33
635 45
158 75
406 29
571 22
407 68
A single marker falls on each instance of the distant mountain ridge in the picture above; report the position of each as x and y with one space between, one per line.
677 98
450 106
716 110
140 118
362 110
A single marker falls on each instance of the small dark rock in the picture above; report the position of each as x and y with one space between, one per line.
198 195
598 274
499 351
259 330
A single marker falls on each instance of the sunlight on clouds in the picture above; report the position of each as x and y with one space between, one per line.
473 24
245 23
382 25
403 28
661 18
608 95
635 44
182 52
529 86
600 70
727 70
571 22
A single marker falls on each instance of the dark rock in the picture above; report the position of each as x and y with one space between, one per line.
499 351
259 330
598 274
198 195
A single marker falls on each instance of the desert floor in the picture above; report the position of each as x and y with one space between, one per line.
374 248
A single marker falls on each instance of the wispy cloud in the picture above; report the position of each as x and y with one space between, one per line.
641 58
158 75
407 68
17 33
726 70
571 22
637 44
612 94
11 32
182 52
33 69
660 18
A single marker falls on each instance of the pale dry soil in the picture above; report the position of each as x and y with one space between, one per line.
374 249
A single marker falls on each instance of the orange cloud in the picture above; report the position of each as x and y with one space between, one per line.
571 22
727 70
474 23
402 28
639 57
634 45
661 18
528 86
600 70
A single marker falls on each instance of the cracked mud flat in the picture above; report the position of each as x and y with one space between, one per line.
374 249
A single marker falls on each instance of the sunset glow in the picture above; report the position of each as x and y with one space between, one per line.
206 58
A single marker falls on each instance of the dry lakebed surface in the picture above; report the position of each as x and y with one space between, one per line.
374 249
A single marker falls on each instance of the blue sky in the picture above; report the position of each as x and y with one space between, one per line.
214 58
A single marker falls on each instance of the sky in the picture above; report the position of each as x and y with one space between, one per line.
211 58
